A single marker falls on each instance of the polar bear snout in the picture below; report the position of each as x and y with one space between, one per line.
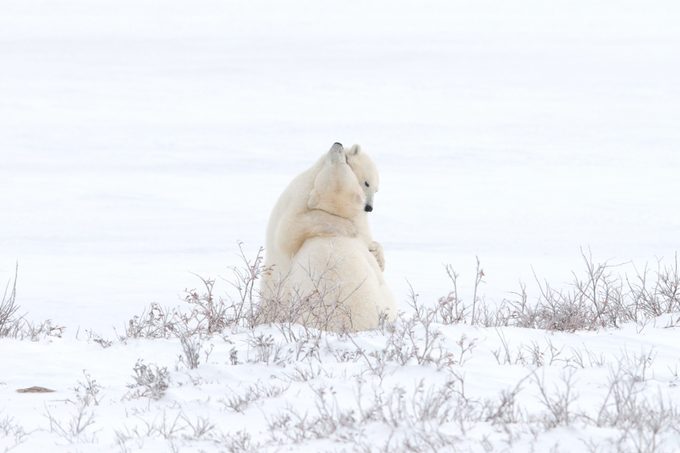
368 208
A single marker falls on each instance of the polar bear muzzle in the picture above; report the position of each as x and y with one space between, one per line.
368 208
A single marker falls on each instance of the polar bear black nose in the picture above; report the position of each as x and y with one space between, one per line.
368 208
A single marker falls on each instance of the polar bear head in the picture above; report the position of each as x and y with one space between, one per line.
366 173
336 186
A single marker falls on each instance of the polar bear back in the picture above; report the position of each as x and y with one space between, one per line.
340 285
290 205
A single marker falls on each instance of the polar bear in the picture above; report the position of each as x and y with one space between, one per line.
293 221
335 282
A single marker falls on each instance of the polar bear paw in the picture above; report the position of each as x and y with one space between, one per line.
377 251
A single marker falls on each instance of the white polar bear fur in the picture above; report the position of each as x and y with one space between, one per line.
339 286
336 282
292 221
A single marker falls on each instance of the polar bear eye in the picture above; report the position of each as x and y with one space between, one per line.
367 184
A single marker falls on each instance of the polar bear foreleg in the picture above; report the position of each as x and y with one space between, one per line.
314 223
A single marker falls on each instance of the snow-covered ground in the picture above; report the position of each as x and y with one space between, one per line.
140 140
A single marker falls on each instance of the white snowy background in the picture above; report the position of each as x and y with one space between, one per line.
141 140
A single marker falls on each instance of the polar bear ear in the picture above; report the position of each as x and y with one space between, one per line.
354 150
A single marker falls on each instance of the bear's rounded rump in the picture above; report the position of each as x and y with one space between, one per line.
337 285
